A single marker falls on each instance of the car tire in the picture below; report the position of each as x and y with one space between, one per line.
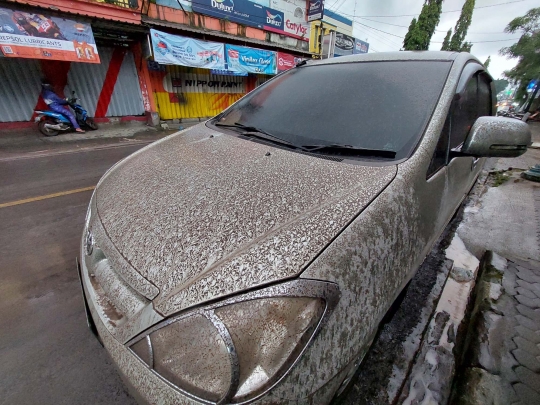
46 131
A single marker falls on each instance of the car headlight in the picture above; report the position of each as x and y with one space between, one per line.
236 350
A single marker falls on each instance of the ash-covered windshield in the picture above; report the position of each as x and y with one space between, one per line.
382 106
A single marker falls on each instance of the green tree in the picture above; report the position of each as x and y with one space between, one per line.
420 31
500 85
407 40
526 50
462 26
446 42
466 47
488 60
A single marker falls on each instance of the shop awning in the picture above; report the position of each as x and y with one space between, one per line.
39 36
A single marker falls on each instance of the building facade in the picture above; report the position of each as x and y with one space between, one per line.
125 58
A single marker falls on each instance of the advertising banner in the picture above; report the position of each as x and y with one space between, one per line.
360 46
250 60
38 36
239 11
293 15
344 45
286 61
287 17
315 10
176 50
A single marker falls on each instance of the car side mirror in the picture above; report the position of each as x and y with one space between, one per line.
497 137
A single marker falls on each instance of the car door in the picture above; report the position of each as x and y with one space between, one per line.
472 100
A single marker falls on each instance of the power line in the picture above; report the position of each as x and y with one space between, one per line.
444 12
406 26
394 35
439 42
386 40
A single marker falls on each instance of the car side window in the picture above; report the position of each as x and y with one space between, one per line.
473 102
484 95
464 113
440 157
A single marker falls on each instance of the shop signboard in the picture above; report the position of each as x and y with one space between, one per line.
38 36
176 50
315 10
293 14
360 46
286 17
250 60
286 61
344 45
239 11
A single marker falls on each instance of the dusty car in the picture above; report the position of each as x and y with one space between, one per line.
251 258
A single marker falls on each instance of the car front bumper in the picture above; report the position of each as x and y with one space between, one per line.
146 386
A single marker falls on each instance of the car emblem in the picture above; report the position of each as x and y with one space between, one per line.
89 242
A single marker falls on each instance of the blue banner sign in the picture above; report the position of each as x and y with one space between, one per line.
315 10
250 60
239 11
176 50
360 46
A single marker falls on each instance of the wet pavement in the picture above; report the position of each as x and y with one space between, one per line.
47 354
28 141
501 363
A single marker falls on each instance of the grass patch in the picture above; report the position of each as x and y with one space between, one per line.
500 178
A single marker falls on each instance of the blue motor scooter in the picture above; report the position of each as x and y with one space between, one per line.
50 123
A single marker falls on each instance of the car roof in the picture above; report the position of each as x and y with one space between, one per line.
395 56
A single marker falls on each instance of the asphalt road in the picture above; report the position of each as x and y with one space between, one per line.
47 354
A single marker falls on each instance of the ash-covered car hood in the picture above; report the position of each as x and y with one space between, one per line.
202 217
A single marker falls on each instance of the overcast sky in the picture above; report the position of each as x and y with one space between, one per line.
488 24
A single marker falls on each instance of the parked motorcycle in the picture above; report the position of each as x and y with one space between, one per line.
50 123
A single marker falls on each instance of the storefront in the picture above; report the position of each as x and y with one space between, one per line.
199 79
64 51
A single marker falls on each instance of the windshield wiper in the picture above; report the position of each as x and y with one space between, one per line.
349 150
257 133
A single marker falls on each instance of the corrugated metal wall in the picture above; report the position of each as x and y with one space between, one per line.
126 98
88 79
20 85
183 92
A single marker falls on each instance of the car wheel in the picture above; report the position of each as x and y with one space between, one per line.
47 131
90 123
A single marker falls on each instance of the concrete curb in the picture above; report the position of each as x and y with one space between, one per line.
430 380
432 371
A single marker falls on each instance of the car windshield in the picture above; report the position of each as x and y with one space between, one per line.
379 106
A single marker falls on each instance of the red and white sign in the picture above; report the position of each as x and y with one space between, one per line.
286 61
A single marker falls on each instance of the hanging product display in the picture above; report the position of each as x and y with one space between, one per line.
38 36
177 50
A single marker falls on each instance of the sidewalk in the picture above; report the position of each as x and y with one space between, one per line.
501 360
14 143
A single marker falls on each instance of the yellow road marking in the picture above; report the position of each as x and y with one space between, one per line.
45 197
